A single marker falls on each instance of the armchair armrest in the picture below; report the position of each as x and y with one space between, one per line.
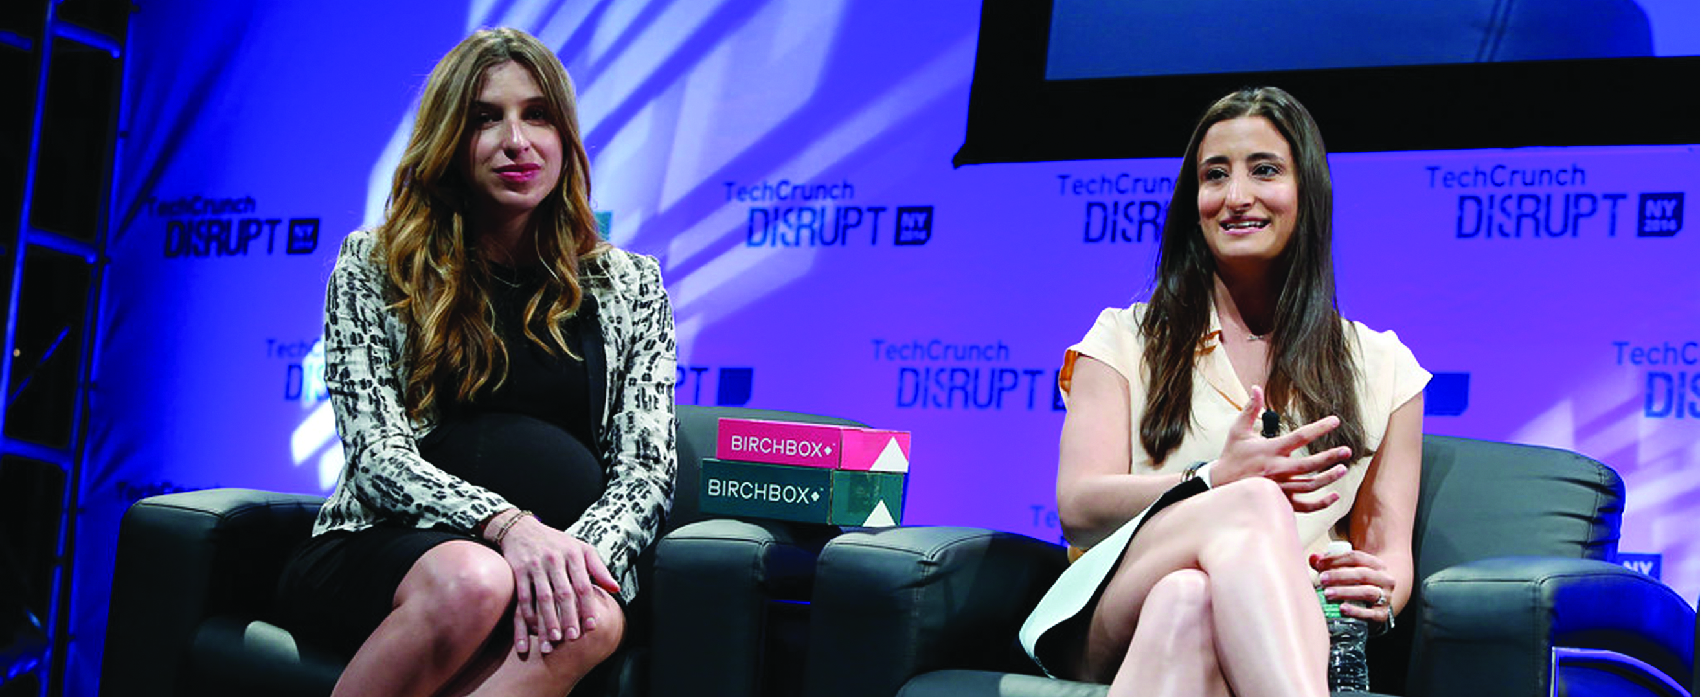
185 557
713 591
1491 627
892 604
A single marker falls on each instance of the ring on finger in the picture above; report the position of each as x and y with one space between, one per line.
1381 598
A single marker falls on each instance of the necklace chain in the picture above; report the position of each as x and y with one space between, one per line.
1250 337
498 276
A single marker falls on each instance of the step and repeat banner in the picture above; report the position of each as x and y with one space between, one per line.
789 164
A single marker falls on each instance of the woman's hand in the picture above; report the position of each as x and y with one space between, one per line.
553 578
1248 454
1360 582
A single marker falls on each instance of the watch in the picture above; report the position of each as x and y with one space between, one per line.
1388 626
1192 472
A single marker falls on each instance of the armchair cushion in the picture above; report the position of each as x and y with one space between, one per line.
260 658
740 582
961 682
1495 624
715 581
896 603
187 557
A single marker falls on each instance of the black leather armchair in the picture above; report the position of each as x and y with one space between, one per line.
192 609
729 595
1518 595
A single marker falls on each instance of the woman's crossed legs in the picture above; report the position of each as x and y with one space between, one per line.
1214 595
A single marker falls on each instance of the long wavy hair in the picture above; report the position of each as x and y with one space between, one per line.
440 285
1312 370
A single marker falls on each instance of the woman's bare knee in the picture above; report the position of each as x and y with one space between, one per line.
572 660
1173 651
1256 503
1180 599
1184 589
610 626
1257 491
466 586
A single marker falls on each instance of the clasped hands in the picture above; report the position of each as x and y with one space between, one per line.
555 576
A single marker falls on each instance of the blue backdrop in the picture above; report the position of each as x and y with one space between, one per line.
788 162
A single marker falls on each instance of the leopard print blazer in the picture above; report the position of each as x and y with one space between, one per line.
384 479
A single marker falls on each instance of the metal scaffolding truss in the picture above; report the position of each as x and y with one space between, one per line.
43 249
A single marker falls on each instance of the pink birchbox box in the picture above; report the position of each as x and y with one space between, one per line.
813 445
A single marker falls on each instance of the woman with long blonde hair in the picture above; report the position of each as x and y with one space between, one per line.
503 384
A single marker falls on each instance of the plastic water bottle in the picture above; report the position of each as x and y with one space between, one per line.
1349 669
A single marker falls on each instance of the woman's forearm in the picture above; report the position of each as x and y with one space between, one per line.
1093 506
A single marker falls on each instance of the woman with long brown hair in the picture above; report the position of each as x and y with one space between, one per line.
503 384
1165 438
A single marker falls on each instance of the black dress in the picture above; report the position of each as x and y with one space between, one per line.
531 439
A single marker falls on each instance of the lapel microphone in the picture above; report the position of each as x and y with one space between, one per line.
1272 424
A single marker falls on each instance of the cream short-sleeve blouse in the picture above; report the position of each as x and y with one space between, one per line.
1389 375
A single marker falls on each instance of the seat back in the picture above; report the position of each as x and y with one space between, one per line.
1486 499
1483 499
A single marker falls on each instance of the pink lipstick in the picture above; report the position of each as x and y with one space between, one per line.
519 173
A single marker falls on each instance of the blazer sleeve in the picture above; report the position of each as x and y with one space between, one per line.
641 430
382 468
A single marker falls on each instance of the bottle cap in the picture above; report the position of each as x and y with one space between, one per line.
1337 547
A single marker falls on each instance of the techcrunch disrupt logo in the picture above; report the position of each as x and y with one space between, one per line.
304 368
1673 385
814 214
201 226
1137 215
763 491
934 374
1502 202
769 445
1536 216
1502 176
